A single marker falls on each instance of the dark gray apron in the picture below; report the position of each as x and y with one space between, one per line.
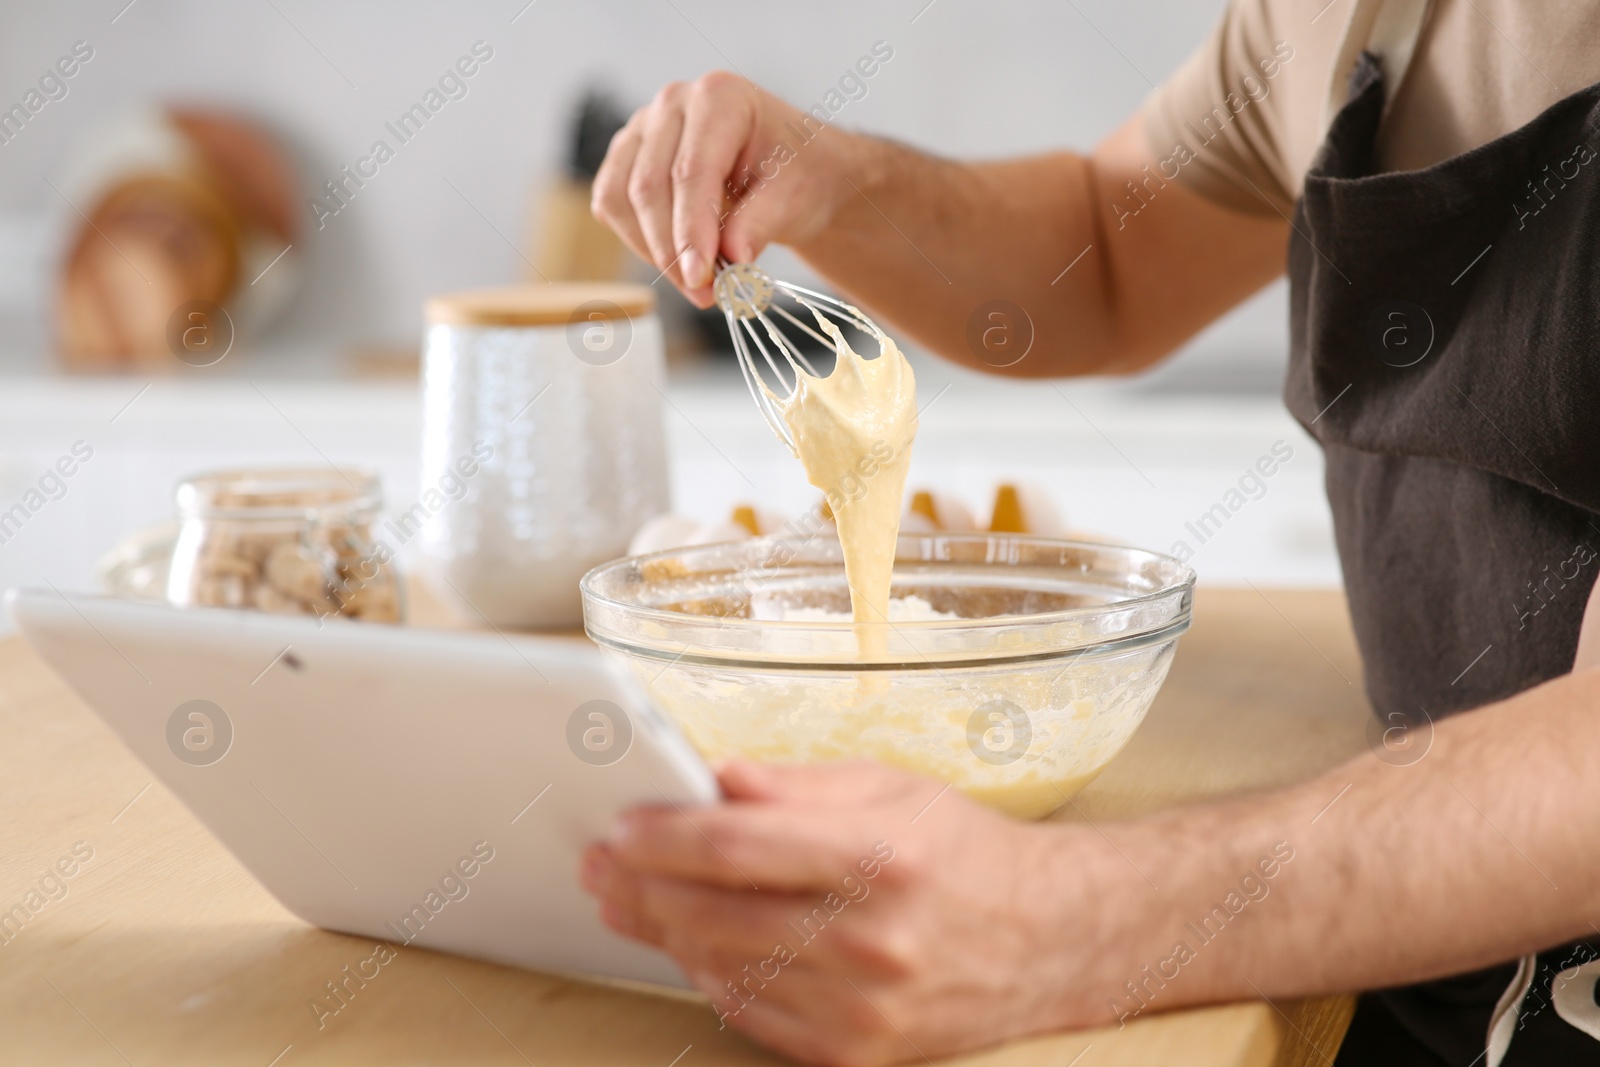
1445 350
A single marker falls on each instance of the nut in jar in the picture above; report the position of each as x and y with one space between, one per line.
290 541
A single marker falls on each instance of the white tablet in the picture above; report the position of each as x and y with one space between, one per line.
415 786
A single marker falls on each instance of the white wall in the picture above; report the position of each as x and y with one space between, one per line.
967 78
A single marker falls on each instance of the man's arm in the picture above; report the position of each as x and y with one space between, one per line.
1480 852
978 928
924 242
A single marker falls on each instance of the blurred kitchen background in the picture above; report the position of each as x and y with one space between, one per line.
489 191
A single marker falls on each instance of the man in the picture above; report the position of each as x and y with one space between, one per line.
1435 175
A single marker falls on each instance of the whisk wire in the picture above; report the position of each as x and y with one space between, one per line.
813 333
794 371
797 359
745 292
837 306
767 402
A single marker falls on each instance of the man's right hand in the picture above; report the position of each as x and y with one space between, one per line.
719 167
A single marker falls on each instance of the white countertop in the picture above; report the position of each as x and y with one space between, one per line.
1120 459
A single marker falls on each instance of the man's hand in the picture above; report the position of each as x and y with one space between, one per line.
849 913
695 172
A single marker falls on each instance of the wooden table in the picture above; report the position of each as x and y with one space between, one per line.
164 950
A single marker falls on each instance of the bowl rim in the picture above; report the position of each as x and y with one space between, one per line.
1181 587
810 664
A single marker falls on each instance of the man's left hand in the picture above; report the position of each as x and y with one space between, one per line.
852 913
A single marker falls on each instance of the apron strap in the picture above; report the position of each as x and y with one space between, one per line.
1389 29
1503 1023
1573 993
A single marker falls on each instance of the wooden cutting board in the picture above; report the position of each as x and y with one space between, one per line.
164 950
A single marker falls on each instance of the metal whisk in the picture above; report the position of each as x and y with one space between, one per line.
746 293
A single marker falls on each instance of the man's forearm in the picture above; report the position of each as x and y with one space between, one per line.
1480 852
925 242
970 258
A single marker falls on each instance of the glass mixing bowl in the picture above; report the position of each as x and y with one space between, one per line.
1016 667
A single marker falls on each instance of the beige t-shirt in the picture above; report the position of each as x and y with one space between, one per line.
1240 121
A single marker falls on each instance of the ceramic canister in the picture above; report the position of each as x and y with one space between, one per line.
543 448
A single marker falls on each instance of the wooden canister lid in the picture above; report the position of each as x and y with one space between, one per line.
548 304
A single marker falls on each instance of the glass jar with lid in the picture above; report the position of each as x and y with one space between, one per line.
289 541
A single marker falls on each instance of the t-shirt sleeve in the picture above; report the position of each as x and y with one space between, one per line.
1219 126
